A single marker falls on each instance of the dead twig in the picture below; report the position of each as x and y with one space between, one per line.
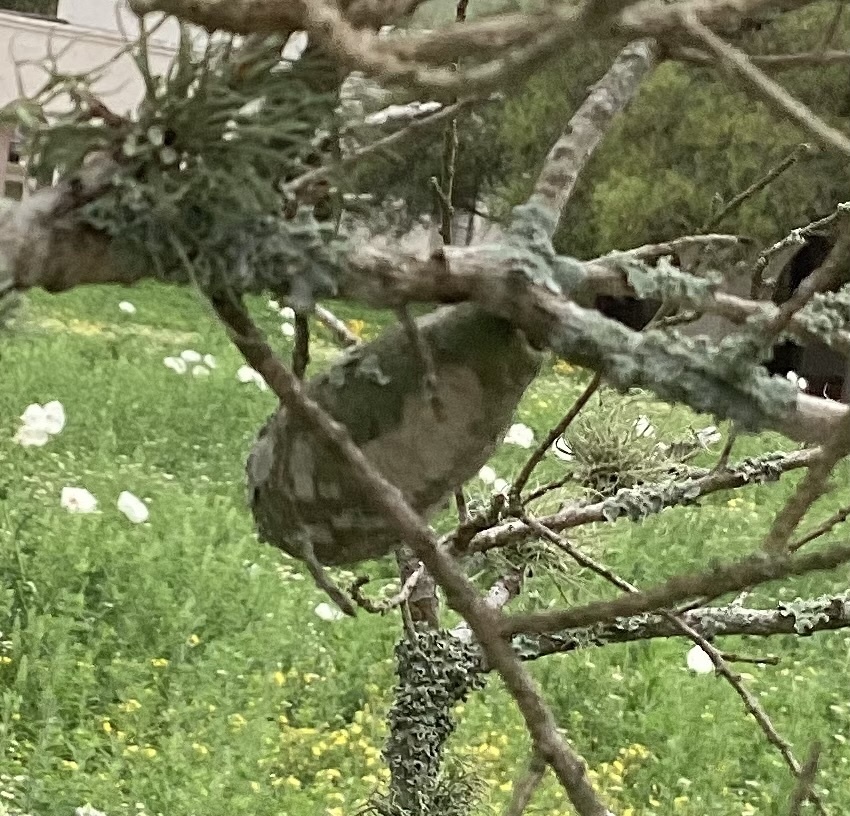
773 94
751 702
384 606
526 786
553 435
343 335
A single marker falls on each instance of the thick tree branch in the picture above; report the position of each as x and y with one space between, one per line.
819 615
589 124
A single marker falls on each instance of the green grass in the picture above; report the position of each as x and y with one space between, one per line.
177 667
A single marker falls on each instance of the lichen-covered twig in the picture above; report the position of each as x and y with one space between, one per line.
729 577
589 124
641 502
801 617
722 667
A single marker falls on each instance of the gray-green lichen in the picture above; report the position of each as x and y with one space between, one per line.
678 369
436 671
639 502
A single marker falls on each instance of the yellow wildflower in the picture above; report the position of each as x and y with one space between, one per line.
159 662
200 748
193 640
149 751
70 765
293 782
279 678
106 726
506 787
356 327
255 786
129 706
237 720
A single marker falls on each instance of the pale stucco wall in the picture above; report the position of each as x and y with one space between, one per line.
25 44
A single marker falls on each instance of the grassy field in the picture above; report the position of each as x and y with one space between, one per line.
177 667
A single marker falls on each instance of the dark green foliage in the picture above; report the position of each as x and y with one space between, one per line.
45 7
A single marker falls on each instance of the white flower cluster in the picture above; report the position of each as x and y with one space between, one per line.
202 365
287 328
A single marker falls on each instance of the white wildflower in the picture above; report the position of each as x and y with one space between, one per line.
39 423
200 371
327 612
561 448
801 382
698 661
287 313
520 435
78 500
177 364
643 427
487 475
191 356
246 374
133 507
708 436
501 486
288 329
210 361
127 307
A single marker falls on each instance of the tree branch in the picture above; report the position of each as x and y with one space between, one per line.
825 614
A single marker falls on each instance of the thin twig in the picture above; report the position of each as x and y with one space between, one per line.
383 606
729 577
324 581
808 490
804 790
554 435
773 94
424 358
800 151
723 459
751 702
384 144
301 351
733 657
839 517
526 786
